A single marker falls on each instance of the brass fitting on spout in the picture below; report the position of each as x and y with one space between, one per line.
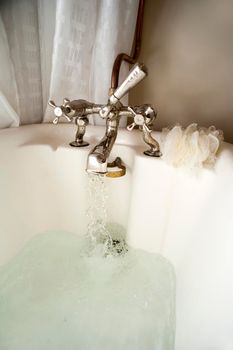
117 163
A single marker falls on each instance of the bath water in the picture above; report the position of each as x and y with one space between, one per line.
76 292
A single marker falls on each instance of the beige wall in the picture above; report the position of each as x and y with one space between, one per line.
188 49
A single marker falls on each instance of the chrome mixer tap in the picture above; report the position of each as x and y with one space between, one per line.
79 110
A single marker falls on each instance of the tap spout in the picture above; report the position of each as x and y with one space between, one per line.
97 160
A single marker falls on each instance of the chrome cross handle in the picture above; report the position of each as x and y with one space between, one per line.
139 119
60 111
143 115
77 110
143 118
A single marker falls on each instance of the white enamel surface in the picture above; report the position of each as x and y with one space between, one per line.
186 217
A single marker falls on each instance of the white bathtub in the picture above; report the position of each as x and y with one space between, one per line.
187 218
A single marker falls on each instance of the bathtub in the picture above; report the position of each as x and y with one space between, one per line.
188 218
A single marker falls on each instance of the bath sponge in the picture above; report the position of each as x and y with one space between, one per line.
192 147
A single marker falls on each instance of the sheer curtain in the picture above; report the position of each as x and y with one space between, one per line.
50 49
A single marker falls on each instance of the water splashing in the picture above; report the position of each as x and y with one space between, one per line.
98 236
102 238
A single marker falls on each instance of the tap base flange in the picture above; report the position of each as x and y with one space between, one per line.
79 144
152 153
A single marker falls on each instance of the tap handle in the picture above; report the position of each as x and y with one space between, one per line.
139 119
136 74
143 117
59 111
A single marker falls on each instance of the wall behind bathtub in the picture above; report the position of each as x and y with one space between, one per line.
187 46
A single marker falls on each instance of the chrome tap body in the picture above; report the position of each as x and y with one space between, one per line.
98 157
79 110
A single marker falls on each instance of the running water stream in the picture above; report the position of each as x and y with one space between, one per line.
78 292
103 238
98 234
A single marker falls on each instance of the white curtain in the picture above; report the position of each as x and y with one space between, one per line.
50 49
